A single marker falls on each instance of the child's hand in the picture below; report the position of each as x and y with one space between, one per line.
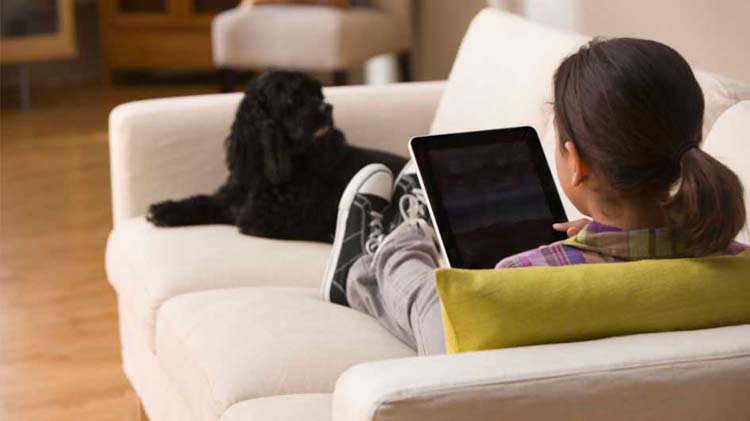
571 228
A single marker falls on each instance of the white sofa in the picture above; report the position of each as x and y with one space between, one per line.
220 326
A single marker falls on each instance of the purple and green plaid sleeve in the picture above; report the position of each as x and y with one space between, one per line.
598 243
558 254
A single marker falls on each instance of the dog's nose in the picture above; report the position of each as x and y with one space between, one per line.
326 108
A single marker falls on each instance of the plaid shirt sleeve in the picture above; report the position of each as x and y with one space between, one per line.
556 254
598 243
737 248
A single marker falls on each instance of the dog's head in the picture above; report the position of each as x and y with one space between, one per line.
281 116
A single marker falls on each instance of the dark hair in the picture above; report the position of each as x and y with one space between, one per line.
634 111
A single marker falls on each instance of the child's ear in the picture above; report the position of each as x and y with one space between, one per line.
578 169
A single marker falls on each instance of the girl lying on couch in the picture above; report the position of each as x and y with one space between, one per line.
629 116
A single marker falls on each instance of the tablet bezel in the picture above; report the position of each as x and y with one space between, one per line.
420 146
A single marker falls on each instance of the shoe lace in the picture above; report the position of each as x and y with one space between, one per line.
376 235
413 210
412 205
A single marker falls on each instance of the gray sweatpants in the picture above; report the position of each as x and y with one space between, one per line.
396 285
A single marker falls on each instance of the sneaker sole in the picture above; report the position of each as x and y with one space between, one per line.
341 219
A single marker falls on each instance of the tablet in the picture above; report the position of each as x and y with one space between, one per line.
490 193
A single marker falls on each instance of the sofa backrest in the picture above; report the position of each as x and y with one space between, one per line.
502 77
729 142
502 74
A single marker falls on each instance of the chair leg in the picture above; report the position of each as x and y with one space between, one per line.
340 78
228 79
404 66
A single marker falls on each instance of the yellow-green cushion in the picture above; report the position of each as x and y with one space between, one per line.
488 309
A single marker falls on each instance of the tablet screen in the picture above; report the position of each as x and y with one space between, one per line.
490 194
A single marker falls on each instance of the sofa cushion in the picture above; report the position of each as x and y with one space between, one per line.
502 76
729 142
225 346
149 265
719 94
488 309
307 407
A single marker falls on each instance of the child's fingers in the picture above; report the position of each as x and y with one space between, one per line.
571 228
563 226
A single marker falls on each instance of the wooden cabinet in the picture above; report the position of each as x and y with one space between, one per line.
158 34
38 30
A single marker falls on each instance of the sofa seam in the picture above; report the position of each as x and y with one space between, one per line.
275 396
200 368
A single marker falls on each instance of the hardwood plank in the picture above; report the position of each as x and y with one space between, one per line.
59 344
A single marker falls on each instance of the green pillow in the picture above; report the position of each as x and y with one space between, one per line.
488 309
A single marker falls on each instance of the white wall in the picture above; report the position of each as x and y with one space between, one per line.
713 35
440 26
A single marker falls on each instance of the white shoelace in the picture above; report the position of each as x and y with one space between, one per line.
412 205
376 233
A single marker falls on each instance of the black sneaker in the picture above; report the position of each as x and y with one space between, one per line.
408 198
359 227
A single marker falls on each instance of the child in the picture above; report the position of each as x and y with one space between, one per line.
629 116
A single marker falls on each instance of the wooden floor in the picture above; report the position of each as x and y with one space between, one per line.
59 345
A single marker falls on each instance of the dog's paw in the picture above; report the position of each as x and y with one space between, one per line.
166 214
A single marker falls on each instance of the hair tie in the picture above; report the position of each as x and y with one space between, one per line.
685 148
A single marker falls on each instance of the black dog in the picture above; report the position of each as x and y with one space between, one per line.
288 166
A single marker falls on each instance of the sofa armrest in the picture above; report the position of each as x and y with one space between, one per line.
173 147
700 374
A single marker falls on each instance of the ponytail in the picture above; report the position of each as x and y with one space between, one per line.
707 211
634 111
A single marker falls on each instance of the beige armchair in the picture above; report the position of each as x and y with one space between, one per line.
310 38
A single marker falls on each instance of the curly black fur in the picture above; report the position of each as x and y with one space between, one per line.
288 166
